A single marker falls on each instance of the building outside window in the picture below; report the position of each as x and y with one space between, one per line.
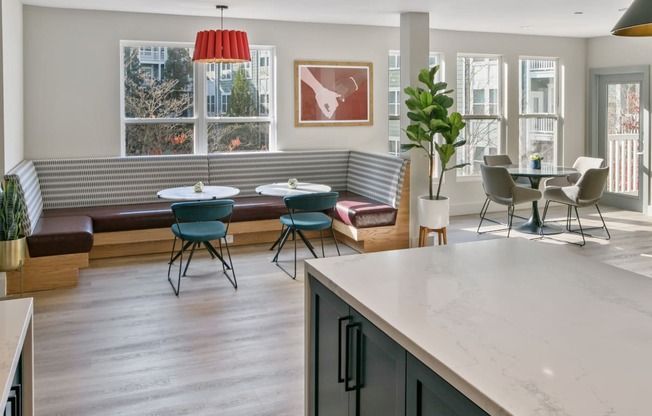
538 109
162 114
395 98
479 102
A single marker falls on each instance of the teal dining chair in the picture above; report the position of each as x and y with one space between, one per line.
306 212
198 223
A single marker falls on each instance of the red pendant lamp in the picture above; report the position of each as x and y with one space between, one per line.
221 45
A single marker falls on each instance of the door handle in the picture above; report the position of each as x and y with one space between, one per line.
357 327
340 378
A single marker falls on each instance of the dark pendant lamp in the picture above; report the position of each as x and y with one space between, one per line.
221 45
637 20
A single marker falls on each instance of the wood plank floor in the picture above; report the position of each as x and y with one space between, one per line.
121 343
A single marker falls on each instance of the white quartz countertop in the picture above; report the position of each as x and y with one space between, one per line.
15 316
521 328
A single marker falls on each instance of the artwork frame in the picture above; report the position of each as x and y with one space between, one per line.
330 93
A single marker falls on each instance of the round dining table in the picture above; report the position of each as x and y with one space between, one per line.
282 189
534 225
187 193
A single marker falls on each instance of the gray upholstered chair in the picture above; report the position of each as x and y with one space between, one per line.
501 189
586 192
582 164
500 160
497 160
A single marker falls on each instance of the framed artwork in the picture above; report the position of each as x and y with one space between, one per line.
333 94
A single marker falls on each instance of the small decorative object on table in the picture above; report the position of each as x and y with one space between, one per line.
293 183
199 187
535 161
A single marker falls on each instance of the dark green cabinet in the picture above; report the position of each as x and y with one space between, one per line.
430 395
356 369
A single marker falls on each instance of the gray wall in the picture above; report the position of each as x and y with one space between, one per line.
11 85
72 74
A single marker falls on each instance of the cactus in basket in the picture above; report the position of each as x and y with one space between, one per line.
11 212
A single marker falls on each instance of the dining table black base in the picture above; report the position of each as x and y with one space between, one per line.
534 225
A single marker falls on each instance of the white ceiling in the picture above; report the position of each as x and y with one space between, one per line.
574 18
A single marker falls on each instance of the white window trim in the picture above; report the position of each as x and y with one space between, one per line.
499 117
200 120
558 104
124 120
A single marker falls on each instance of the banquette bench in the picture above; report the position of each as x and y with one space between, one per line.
80 209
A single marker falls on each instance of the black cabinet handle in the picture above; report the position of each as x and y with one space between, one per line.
357 327
340 378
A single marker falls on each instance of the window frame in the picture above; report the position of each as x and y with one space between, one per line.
523 115
200 119
498 117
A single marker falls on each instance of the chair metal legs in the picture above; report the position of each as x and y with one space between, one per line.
581 229
211 250
284 236
483 213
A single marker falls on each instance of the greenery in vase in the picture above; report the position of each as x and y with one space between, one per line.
11 212
429 112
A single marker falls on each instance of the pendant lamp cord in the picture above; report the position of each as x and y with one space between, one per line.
221 15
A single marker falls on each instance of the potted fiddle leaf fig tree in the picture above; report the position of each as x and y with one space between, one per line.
12 235
429 112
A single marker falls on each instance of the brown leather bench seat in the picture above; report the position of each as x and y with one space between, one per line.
61 235
70 230
362 212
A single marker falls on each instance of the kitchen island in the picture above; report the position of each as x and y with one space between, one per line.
519 328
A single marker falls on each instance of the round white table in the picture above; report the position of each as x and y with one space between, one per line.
282 189
187 193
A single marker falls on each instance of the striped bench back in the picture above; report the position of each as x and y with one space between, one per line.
29 193
246 171
376 176
71 183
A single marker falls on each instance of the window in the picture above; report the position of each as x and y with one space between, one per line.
224 103
244 121
395 99
247 69
158 100
538 109
478 100
225 72
161 113
210 104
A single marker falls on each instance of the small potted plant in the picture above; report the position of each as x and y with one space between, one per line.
12 235
535 161
429 112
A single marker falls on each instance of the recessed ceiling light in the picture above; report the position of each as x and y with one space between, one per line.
578 13
526 27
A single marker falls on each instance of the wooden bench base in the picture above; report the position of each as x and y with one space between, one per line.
45 273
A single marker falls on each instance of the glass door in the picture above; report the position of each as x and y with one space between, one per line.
619 136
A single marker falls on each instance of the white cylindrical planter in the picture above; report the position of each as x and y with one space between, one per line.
433 213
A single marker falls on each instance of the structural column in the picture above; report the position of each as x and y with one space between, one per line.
415 50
